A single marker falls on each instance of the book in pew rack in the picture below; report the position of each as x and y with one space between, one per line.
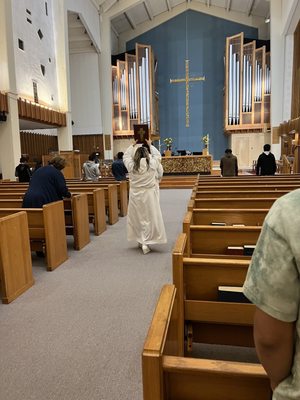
235 250
232 294
249 249
218 223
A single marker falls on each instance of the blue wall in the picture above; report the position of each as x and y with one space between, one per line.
206 38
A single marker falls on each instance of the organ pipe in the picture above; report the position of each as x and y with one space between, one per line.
248 81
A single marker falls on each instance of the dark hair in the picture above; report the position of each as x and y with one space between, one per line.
267 147
140 153
58 162
23 159
120 155
228 151
92 157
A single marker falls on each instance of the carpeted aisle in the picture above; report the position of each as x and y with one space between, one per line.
78 333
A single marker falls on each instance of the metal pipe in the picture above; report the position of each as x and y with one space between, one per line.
147 66
230 87
238 92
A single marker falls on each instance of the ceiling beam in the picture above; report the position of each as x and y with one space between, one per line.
119 7
130 20
114 30
252 3
109 4
148 10
228 5
168 5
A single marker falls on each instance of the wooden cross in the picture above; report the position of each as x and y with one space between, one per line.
187 81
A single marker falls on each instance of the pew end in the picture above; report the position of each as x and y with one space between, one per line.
15 257
168 376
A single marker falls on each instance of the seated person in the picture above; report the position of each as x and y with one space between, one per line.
90 169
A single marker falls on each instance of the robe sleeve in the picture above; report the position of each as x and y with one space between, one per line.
128 158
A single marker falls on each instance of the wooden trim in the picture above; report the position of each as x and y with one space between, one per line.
35 112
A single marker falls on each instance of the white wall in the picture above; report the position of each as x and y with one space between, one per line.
36 51
85 94
89 16
290 15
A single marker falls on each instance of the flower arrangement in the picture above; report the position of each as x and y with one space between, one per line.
168 141
205 140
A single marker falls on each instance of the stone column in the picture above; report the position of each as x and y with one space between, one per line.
105 82
10 146
64 134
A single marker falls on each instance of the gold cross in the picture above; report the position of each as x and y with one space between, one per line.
141 132
187 81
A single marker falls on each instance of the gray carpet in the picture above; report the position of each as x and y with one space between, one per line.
78 333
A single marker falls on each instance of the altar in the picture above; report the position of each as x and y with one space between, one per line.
187 165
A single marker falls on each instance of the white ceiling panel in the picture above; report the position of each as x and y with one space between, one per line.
158 6
138 14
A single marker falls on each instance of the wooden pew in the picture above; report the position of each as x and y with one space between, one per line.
167 375
205 239
76 215
248 187
46 231
111 196
77 219
215 194
209 320
245 216
111 200
15 257
121 189
229 203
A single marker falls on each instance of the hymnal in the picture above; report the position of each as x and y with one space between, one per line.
218 223
235 250
249 249
141 133
232 294
238 224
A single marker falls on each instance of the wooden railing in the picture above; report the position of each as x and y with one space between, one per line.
36 112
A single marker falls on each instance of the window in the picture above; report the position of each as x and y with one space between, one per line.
28 11
40 33
35 91
49 59
29 20
21 44
46 8
43 69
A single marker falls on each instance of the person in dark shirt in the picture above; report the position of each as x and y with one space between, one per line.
229 164
118 168
22 171
266 163
47 185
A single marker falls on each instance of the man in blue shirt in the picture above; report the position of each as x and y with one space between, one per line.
118 168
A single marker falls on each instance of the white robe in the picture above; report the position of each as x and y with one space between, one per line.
144 219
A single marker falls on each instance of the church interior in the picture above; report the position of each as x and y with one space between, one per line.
196 78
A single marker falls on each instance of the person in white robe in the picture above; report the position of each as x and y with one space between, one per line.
144 219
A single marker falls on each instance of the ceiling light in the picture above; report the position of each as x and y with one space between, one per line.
267 20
